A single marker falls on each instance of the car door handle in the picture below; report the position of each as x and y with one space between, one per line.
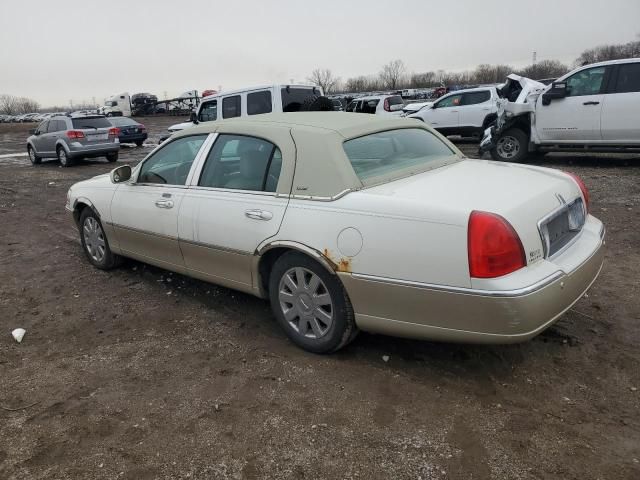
164 203
591 103
454 111
258 214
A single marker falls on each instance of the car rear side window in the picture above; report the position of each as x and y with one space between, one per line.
396 153
57 125
294 98
231 107
209 111
171 164
473 98
242 163
88 122
628 78
259 102
367 106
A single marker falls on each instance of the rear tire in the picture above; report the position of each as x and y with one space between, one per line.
35 159
95 243
310 304
112 157
511 146
139 143
64 160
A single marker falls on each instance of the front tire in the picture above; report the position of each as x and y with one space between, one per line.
63 158
310 304
511 146
35 159
95 243
112 157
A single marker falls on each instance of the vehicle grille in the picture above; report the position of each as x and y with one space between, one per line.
560 227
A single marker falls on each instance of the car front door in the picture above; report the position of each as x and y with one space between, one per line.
476 106
144 212
237 200
575 118
621 107
445 113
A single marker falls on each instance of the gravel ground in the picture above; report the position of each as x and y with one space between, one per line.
141 374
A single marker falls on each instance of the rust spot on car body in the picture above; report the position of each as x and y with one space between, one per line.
342 264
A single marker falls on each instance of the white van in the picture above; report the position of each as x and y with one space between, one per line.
253 101
117 106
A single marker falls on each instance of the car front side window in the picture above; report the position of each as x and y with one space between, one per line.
585 82
42 128
171 164
242 163
209 111
452 101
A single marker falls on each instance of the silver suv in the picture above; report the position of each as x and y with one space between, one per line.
73 138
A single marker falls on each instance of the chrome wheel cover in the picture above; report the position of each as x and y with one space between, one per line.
305 302
94 239
62 156
32 155
508 147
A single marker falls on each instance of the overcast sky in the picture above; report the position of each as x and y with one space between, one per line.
56 51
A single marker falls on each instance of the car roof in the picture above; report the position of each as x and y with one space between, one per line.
253 89
376 97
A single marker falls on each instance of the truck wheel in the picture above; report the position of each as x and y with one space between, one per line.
64 160
310 304
511 146
317 104
112 157
35 159
109 114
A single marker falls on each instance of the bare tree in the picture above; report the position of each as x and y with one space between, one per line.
324 78
609 52
545 69
423 80
8 104
391 74
27 105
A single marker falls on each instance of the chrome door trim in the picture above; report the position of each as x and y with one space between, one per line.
198 163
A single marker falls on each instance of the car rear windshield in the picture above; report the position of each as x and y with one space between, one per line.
293 98
95 122
396 153
122 121
397 100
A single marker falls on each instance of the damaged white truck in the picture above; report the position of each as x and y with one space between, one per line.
592 108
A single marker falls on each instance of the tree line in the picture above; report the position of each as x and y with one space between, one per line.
394 76
12 105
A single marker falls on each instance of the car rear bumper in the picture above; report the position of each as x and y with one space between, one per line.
77 149
473 316
135 137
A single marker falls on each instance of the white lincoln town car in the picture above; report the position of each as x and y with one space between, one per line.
347 222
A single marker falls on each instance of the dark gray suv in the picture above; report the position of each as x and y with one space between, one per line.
73 138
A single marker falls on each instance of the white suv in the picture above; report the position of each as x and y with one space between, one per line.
592 108
463 112
377 104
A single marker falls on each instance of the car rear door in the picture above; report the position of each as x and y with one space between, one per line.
476 106
144 213
575 118
621 106
237 200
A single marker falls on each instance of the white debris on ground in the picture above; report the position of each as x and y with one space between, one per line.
18 334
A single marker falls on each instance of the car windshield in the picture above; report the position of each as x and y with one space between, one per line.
89 122
396 153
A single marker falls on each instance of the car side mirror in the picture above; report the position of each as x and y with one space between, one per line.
120 174
33 131
194 118
557 91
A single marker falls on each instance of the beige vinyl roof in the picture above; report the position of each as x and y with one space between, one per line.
322 169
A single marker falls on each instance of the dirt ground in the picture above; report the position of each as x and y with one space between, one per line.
142 374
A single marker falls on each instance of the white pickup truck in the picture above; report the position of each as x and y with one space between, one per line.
592 108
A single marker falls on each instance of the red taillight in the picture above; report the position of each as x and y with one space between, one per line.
114 132
493 245
387 108
583 189
74 134
142 128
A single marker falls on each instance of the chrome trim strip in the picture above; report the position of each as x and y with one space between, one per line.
144 232
301 248
462 290
233 190
322 199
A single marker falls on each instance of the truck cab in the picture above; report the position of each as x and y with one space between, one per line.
592 108
117 106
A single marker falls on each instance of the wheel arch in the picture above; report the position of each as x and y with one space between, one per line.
78 207
268 254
